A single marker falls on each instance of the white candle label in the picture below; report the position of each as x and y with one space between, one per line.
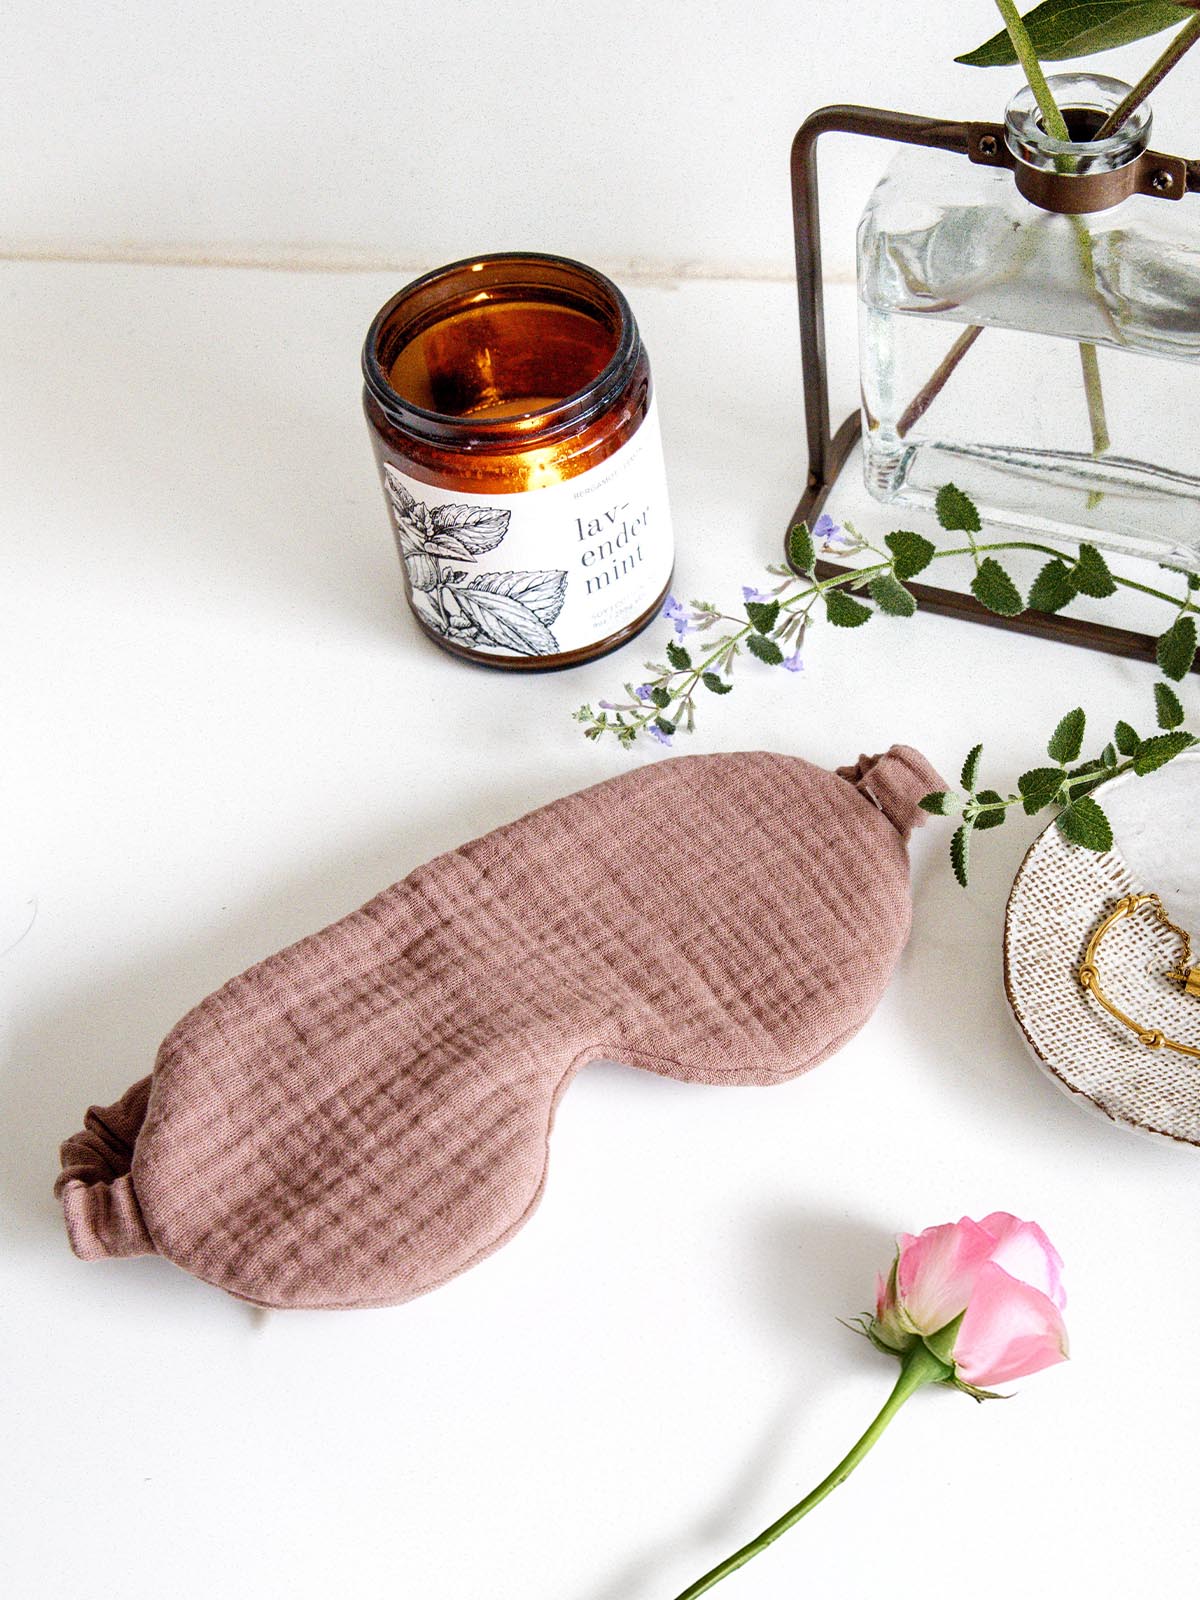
544 570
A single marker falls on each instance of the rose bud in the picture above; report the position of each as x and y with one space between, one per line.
984 1297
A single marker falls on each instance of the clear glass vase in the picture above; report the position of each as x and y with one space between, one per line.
1048 364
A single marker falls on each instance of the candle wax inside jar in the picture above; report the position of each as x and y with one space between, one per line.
502 358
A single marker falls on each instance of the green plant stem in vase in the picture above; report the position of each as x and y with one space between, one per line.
1059 30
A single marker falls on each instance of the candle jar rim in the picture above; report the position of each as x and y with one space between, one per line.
441 293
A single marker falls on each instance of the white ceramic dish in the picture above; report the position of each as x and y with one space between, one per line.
1059 895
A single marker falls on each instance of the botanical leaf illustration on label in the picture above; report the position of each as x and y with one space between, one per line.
510 611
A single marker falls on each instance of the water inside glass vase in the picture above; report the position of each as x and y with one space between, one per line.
1048 364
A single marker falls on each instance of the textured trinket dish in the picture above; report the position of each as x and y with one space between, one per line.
1059 897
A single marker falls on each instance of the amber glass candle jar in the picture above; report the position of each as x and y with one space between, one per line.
512 415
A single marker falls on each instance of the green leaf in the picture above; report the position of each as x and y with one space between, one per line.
1108 756
710 680
1067 739
802 552
678 657
970 767
955 511
1177 649
1126 739
1168 705
844 611
993 588
892 598
1091 574
1063 30
960 851
661 698
1083 822
763 614
941 804
910 552
1053 588
1039 788
990 819
1156 751
765 649
664 726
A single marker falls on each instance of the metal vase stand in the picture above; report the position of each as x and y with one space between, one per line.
1162 177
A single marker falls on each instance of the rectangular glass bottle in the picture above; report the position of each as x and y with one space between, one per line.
1047 363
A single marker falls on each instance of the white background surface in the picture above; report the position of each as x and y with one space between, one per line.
221 731
650 139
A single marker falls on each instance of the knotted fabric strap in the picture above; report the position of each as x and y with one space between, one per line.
102 1213
896 782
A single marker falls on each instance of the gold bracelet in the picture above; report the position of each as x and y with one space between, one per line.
1183 972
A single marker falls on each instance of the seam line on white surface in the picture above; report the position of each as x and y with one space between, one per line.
320 259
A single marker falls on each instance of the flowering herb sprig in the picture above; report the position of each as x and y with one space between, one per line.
773 629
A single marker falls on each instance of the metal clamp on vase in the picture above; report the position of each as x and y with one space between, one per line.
1057 283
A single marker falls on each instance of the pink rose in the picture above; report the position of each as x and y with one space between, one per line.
968 1304
984 1297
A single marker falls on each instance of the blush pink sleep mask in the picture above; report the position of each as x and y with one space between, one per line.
357 1119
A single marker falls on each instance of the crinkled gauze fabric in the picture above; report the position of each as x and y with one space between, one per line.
362 1116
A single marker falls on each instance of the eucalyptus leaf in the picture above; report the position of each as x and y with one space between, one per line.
1083 822
801 551
911 552
941 803
715 684
1053 588
1067 739
956 511
1156 751
1039 788
892 598
1063 30
1168 705
993 588
1091 574
844 611
765 649
1176 649
763 614
960 852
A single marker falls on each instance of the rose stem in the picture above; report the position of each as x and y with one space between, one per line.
919 1367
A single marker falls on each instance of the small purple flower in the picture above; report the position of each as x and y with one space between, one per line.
793 662
677 615
644 692
760 595
657 733
830 534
